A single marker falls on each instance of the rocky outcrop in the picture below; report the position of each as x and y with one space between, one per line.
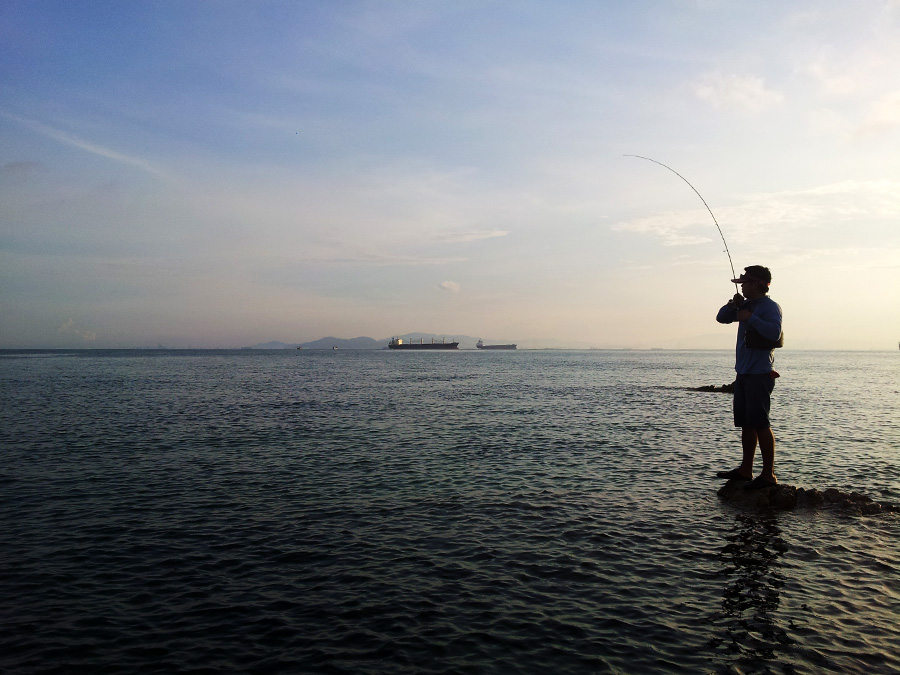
722 389
783 497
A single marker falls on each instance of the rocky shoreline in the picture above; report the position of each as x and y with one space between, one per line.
783 497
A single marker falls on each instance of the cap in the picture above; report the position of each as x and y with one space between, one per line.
754 274
746 278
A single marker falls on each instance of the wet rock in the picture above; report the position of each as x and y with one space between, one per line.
811 498
724 389
782 497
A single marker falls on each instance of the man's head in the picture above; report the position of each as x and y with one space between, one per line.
755 279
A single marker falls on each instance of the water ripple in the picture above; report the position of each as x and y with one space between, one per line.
363 513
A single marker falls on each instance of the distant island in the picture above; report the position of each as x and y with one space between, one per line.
326 343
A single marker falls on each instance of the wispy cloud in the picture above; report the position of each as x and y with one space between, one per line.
833 82
827 123
21 169
852 203
93 148
68 328
883 116
669 228
743 92
472 235
385 259
449 286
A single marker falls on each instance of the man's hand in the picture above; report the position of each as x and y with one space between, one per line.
738 299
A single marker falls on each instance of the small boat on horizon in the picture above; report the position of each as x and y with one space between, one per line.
480 345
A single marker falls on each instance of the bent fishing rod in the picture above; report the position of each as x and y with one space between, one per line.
733 275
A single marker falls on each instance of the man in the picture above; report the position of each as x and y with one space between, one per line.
759 331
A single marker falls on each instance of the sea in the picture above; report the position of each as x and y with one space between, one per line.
369 512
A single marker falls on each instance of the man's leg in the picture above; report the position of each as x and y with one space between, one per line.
757 427
748 444
767 449
748 434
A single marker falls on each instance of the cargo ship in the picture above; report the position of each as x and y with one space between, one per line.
480 345
398 343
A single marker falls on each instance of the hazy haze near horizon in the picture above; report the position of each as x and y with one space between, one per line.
226 174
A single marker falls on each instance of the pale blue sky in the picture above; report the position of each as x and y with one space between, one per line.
226 173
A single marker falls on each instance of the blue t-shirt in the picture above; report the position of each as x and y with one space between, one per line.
766 319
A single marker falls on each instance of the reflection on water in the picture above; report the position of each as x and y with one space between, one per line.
749 638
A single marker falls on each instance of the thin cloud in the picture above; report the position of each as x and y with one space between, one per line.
21 169
449 286
883 116
472 235
68 328
668 228
386 259
827 123
76 142
844 203
839 80
743 92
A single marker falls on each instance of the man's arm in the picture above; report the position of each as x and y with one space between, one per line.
728 313
768 321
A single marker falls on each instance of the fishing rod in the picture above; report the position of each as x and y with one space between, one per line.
733 275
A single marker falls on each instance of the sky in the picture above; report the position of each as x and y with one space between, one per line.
223 173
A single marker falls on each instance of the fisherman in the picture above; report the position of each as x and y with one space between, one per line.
759 332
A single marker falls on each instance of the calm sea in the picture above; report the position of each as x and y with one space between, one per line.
446 512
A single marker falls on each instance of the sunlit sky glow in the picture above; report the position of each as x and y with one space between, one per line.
219 174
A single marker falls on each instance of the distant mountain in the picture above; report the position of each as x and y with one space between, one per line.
326 343
341 343
273 345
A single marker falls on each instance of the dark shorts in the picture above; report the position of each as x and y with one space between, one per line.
751 400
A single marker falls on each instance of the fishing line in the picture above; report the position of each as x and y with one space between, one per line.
733 275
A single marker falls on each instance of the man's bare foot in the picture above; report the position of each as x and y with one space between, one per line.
734 474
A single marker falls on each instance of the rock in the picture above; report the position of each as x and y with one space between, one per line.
811 498
724 389
782 497
832 495
733 492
